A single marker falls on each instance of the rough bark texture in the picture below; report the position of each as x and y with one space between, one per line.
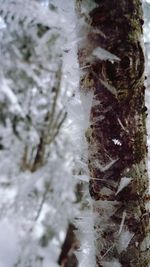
116 135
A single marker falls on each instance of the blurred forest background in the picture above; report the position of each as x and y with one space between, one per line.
40 131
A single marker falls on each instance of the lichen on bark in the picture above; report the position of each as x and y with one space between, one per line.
117 133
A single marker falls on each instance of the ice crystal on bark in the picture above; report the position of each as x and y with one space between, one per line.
123 183
124 240
113 263
103 54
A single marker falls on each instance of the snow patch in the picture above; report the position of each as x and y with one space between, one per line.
9 244
117 142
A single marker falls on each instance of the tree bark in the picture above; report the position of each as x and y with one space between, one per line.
67 256
117 151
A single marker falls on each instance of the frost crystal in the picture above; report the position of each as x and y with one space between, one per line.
83 178
113 263
108 206
124 240
122 222
85 234
86 100
6 90
103 54
146 243
123 183
109 87
107 166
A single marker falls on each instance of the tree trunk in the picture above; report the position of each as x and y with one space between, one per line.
67 257
117 151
